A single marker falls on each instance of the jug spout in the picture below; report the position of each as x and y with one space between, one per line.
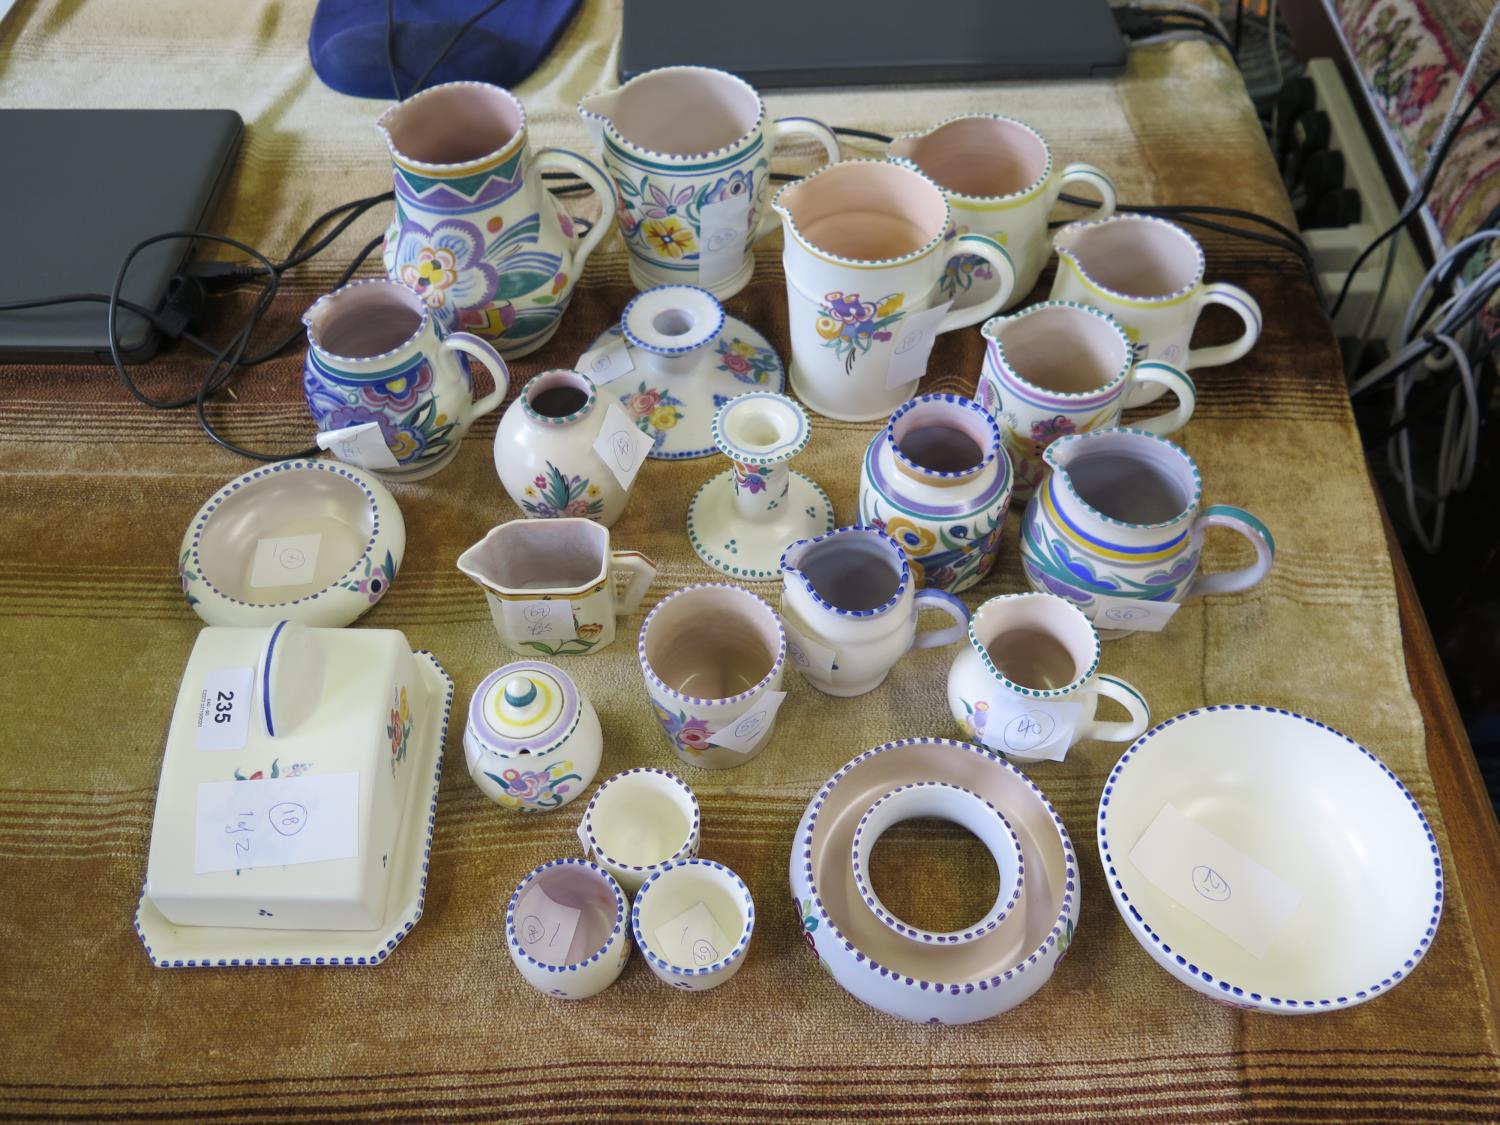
601 105
478 563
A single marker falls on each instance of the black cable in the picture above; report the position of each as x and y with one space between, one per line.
1239 25
1186 213
864 134
1429 177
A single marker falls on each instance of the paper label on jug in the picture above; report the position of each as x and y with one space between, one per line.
362 446
1242 899
692 940
607 362
1031 727
744 734
723 225
914 337
545 928
549 619
622 445
288 561
276 822
1133 614
811 657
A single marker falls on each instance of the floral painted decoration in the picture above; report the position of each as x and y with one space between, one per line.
187 576
851 326
296 769
752 479
375 581
1052 565
587 636
413 435
398 728
688 735
663 217
554 494
948 557
963 270
747 362
655 411
534 790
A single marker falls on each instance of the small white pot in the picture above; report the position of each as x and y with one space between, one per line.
708 901
637 821
599 947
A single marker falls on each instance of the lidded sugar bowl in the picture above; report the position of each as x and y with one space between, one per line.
532 741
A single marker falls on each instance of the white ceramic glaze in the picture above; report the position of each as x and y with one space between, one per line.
937 480
545 457
710 653
686 357
866 249
375 356
532 740
1148 274
201 947
1313 807
638 820
1072 548
523 562
600 945
929 982
953 803
1055 661
676 887
357 701
851 592
681 142
741 520
1057 368
999 179
476 233
361 540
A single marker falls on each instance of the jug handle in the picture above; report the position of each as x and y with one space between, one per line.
782 128
470 344
640 570
1086 174
943 602
1244 306
992 252
1259 535
591 174
1112 687
1175 380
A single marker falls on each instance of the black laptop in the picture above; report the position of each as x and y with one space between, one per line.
81 188
777 43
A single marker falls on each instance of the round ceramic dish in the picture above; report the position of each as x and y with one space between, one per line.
551 896
958 805
316 542
1316 839
913 980
637 821
693 920
686 358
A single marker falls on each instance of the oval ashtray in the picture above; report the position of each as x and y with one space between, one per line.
316 542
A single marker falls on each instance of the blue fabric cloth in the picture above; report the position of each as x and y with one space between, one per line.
347 42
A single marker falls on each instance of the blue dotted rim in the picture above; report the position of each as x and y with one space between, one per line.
1020 193
656 682
546 420
677 159
1110 433
1005 371
1228 991
903 580
700 338
736 886
689 845
369 360
388 945
1128 298
1022 689
813 248
615 935
784 453
990 453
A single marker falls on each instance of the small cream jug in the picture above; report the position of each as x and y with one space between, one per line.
554 587
476 232
375 356
849 604
1000 180
866 247
1119 520
1148 274
689 148
1057 368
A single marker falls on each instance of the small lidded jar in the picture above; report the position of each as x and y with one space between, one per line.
532 741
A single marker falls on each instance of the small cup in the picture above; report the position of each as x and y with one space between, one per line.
960 806
713 656
692 920
559 893
637 821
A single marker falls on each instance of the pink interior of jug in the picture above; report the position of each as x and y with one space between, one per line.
978 156
685 111
454 124
867 211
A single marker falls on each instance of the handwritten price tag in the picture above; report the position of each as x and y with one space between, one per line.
545 928
914 337
744 734
621 445
693 939
607 362
291 561
1133 614
1030 728
275 822
723 225
224 709
549 619
362 446
812 657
